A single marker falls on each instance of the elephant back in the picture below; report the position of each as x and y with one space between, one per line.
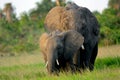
60 18
73 17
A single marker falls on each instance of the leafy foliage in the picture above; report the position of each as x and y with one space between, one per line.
23 34
20 36
109 21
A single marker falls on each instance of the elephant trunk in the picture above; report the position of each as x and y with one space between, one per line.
52 62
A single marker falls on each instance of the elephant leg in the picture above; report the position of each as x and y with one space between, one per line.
44 56
93 57
76 60
82 58
86 56
72 65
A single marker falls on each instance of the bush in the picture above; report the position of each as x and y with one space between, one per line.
17 37
109 36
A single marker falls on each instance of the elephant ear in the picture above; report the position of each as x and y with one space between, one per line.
72 41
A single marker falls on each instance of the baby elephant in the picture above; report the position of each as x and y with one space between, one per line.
59 48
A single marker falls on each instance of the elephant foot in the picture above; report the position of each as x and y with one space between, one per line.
72 68
91 67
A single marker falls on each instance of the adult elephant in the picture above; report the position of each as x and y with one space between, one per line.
80 19
59 48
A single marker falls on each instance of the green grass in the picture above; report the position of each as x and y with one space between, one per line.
20 72
107 62
105 69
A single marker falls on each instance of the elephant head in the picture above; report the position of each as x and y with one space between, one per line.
58 44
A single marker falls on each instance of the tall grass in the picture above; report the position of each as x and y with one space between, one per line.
105 69
107 62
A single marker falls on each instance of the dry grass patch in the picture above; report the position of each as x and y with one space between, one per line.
21 60
109 51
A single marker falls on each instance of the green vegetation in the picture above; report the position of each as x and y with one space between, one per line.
20 35
109 21
107 62
32 67
105 68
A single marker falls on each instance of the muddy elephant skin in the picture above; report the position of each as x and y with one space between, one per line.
80 19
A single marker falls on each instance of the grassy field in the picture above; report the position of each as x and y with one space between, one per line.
32 67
